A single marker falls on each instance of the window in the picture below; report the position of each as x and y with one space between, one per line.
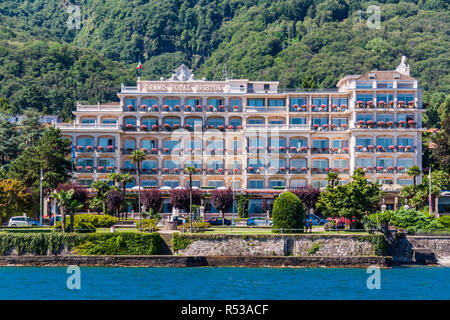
235 144
340 163
256 184
298 163
385 162
386 181
340 144
235 185
364 97
235 164
364 117
319 183
149 183
277 143
385 117
215 144
255 102
364 142
130 144
85 162
276 121
85 182
257 142
195 183
405 162
266 87
296 183
298 101
277 163
171 183
320 164
109 121
250 87
235 122
385 97
170 164
149 122
149 164
363 85
197 164
149 102
339 121
130 102
194 121
131 121
385 85
276 183
149 144
402 141
127 164
320 143
170 144
171 121
88 121
235 102
194 144
106 162
130 184
384 142
319 121
339 101
215 183
364 162
276 102
297 121
405 97
319 101
172 102
193 102
405 117
403 85
255 121
86 141
215 164
405 182
215 102
300 142
255 163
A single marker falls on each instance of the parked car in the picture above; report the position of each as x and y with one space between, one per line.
316 220
218 221
21 221
259 221
179 220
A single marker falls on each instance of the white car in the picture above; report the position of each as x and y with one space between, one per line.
21 221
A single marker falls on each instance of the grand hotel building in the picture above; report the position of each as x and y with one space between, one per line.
251 134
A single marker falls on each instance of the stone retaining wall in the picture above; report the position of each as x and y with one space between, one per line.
279 245
198 261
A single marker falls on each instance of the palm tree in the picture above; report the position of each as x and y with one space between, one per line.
67 204
414 171
136 158
332 178
122 179
190 170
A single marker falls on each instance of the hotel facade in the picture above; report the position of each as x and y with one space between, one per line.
251 135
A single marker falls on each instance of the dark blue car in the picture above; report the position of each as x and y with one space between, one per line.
218 222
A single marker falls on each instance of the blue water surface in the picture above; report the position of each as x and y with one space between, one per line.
223 283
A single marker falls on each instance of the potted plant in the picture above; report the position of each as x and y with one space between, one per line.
155 107
304 169
235 108
100 148
143 107
381 104
293 149
293 169
303 148
189 108
154 127
130 107
360 123
411 123
370 123
144 127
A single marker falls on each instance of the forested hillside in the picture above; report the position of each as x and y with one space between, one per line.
256 39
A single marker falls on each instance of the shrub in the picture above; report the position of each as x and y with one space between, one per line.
445 221
196 227
288 213
89 222
147 225
79 225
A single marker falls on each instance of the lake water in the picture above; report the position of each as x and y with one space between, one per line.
415 282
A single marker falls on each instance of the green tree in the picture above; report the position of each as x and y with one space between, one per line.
442 152
121 179
68 205
30 128
332 178
288 214
414 171
52 155
14 199
102 188
9 147
136 158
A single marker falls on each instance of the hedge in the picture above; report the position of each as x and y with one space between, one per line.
123 243
288 213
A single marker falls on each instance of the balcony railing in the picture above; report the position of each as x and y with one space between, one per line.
370 124
392 148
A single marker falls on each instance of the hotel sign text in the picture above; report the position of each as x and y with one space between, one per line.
182 87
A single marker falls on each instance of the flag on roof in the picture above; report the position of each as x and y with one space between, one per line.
139 66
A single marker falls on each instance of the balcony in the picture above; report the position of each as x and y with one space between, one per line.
321 108
391 148
294 170
320 170
220 108
214 151
172 171
256 149
212 171
302 149
273 149
324 150
85 149
343 150
254 170
150 151
298 108
370 124
106 169
85 169
149 171
274 170
265 109
107 149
